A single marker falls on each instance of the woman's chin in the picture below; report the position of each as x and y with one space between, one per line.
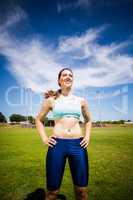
68 85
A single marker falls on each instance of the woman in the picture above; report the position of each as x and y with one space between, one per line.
66 140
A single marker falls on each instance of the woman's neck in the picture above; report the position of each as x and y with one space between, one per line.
66 91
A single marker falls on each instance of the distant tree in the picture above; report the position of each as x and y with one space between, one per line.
122 121
115 122
2 118
108 122
17 118
98 123
31 119
118 122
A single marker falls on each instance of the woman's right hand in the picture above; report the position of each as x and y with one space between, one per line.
50 141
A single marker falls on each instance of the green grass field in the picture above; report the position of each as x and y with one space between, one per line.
22 164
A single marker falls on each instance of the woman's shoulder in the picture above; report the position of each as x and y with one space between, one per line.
80 99
49 101
83 101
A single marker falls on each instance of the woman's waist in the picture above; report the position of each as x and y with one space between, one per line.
67 132
63 126
68 139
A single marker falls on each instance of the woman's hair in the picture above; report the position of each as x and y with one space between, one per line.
56 94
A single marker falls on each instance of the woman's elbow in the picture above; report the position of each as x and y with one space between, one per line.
37 119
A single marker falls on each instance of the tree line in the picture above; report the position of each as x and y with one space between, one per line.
16 118
31 119
20 118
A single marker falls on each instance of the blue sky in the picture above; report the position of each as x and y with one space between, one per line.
94 38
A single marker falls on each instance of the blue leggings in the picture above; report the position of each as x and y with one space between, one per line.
56 159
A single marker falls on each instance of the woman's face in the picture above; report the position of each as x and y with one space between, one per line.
66 79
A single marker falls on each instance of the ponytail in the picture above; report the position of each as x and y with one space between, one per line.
51 93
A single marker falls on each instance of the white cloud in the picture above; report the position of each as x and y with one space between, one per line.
36 66
14 16
89 4
104 66
82 44
30 63
73 5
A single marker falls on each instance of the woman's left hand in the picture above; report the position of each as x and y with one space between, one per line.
84 143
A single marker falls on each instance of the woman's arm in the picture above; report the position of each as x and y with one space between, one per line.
88 123
46 107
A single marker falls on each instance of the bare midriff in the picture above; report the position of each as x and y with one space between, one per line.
67 127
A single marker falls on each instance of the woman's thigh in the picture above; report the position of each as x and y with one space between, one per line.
78 161
55 164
